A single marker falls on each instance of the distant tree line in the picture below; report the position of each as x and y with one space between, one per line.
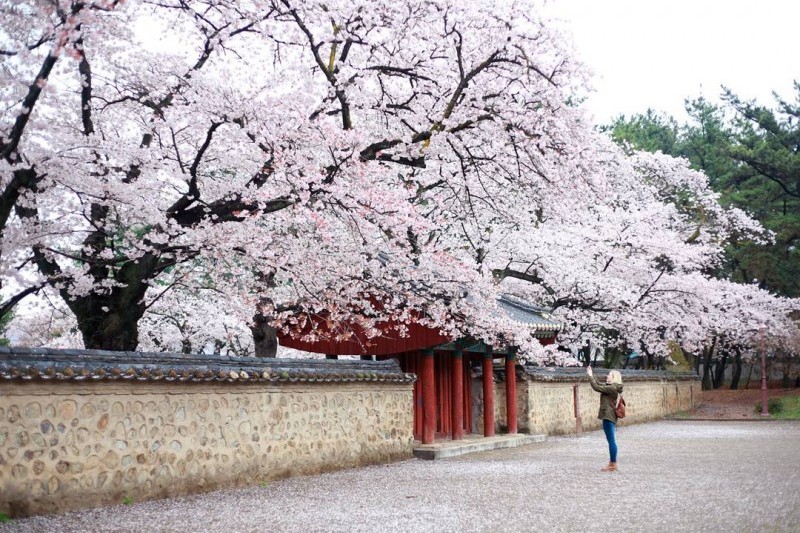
751 155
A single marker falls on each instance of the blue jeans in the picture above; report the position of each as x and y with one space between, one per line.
609 428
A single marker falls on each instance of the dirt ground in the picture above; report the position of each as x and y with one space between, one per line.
735 404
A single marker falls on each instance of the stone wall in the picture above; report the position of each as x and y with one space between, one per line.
90 428
546 405
75 436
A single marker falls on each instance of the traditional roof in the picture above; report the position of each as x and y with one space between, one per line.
538 318
22 364
417 336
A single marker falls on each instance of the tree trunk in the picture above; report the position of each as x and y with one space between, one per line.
107 319
708 354
265 337
737 370
719 371
117 329
787 369
110 321
749 374
691 360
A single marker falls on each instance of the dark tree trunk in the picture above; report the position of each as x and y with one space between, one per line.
111 321
737 370
749 374
708 355
719 371
585 354
107 319
645 360
265 337
110 331
114 329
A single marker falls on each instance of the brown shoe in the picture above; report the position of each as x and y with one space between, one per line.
611 467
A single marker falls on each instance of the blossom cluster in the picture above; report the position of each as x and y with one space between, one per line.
190 168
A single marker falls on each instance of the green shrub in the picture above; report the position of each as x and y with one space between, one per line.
774 406
4 517
790 408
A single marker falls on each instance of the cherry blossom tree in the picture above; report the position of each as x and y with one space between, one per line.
35 39
284 161
141 167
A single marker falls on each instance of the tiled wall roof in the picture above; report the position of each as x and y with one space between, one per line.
534 373
101 365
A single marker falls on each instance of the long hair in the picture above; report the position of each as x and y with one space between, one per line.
615 377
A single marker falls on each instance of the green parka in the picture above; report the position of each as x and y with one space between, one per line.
608 398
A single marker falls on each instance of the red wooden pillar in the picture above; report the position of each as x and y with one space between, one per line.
457 373
488 394
428 398
511 391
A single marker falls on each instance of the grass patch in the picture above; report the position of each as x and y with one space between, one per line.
774 406
4 518
127 500
785 408
790 408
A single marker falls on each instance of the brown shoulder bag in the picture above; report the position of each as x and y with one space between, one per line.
619 408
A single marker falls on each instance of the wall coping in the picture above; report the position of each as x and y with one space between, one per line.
44 364
561 374
578 374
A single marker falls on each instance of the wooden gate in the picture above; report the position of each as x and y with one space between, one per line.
443 385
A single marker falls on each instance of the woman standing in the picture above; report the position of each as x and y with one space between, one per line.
608 401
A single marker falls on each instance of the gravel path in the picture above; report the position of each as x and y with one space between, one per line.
674 476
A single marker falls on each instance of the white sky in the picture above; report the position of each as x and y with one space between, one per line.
656 53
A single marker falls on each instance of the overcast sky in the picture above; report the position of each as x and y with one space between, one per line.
656 53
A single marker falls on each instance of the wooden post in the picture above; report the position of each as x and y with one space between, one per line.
577 408
511 391
457 377
428 398
488 394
